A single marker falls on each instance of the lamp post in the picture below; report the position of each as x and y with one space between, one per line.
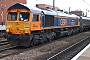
53 4
69 9
86 12
2 14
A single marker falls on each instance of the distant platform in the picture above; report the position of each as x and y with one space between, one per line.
2 27
84 54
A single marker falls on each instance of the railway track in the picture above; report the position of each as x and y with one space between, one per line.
41 50
3 42
71 51
4 47
7 51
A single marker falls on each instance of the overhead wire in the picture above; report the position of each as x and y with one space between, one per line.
86 2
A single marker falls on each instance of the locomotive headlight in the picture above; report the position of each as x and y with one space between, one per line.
7 30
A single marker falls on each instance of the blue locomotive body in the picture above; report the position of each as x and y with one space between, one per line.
60 22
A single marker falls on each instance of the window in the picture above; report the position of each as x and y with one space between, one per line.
35 17
24 16
12 16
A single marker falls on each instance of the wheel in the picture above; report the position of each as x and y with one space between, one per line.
32 43
44 38
49 40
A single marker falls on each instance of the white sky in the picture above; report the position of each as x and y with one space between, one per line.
64 4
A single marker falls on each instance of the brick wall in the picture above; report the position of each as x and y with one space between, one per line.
4 4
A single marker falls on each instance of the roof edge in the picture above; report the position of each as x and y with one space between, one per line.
18 5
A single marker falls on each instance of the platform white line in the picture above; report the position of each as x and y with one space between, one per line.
81 52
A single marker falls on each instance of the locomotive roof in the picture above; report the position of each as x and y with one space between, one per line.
20 5
67 15
34 10
50 12
74 16
86 18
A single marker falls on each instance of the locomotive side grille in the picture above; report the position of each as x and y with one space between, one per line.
49 21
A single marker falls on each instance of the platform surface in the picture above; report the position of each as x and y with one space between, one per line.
85 54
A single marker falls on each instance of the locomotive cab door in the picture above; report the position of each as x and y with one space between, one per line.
36 23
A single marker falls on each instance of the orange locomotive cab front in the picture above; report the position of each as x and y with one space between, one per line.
18 21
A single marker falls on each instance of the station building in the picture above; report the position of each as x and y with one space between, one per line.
4 4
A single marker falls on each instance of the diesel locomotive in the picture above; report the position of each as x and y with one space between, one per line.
28 26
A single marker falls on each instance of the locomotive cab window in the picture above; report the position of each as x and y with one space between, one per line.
24 16
35 17
12 16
